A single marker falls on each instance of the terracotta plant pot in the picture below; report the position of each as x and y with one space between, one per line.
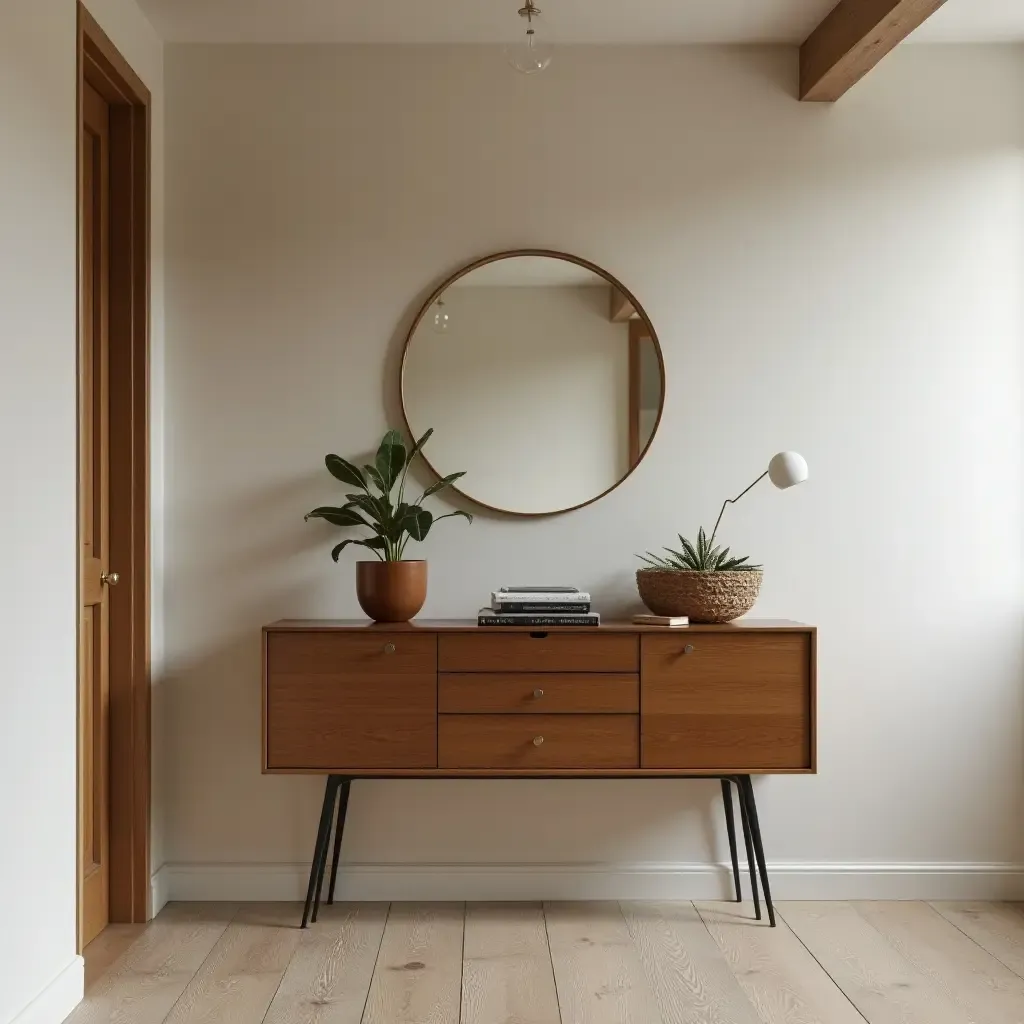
703 596
391 591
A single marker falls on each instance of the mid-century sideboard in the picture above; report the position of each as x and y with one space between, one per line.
449 699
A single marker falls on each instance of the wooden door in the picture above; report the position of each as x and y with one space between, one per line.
94 521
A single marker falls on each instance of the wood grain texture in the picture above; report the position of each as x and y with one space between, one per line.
880 983
456 626
103 68
148 979
852 39
685 969
329 977
781 980
538 651
506 971
982 987
730 701
598 973
418 979
102 954
94 518
537 741
538 693
237 982
996 927
336 700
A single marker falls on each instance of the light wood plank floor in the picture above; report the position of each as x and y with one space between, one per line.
562 963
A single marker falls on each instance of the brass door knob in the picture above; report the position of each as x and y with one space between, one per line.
537 694
111 579
538 740
389 648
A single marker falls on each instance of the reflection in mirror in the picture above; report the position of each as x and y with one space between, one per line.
540 378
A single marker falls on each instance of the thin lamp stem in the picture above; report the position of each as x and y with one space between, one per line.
732 501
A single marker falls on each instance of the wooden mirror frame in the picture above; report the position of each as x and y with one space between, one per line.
626 303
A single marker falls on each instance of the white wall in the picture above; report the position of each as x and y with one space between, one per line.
528 394
845 281
40 974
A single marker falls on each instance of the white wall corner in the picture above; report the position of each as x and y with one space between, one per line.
158 885
58 999
485 882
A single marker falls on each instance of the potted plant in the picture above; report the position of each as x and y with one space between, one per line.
701 581
390 589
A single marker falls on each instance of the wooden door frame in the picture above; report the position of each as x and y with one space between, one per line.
102 66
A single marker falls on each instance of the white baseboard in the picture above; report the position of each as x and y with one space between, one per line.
58 999
795 881
158 888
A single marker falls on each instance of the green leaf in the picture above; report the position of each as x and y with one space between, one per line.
691 552
374 543
679 560
397 526
442 484
390 459
418 446
374 476
417 523
344 471
457 512
338 516
375 508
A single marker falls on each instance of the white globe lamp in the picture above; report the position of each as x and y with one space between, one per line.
785 470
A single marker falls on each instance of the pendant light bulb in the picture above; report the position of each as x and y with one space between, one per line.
442 318
531 54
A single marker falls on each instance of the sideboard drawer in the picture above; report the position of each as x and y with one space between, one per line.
536 742
737 701
350 700
539 651
534 693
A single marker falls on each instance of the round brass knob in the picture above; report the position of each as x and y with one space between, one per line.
110 578
688 649
537 694
389 648
538 740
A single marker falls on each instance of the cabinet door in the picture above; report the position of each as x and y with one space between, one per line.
735 702
342 701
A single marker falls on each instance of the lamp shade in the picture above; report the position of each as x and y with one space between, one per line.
787 469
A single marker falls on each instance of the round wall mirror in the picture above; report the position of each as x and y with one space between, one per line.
542 378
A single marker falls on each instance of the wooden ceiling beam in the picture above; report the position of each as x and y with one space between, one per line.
853 39
621 308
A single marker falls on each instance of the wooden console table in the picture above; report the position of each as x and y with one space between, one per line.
449 699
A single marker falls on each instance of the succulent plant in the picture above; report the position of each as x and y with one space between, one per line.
699 557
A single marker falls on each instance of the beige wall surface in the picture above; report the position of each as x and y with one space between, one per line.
844 281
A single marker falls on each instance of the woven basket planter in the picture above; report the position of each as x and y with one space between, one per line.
703 596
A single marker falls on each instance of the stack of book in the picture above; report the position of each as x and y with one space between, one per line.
539 607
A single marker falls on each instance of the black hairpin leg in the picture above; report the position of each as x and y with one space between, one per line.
730 825
320 850
747 794
339 831
748 842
